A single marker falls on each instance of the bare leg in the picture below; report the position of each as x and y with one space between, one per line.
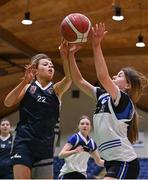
43 172
21 172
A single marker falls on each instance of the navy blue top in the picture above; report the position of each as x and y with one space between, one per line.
39 113
5 161
79 140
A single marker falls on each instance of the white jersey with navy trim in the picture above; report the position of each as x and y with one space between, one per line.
78 162
111 121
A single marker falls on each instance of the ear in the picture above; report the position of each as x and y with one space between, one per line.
36 71
128 86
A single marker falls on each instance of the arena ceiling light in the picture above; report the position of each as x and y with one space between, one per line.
140 42
27 20
118 15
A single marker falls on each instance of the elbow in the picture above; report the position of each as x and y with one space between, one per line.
69 83
101 163
68 80
7 104
78 81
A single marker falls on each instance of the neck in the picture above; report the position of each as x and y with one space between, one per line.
43 82
84 134
4 134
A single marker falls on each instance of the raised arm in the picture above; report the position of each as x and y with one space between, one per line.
98 33
18 92
76 75
62 86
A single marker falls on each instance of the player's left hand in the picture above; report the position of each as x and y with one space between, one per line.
74 47
97 34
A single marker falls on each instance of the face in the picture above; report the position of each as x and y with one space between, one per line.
85 126
5 127
120 81
45 69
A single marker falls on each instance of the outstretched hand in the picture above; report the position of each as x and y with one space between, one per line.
79 149
63 48
67 48
97 34
74 47
30 72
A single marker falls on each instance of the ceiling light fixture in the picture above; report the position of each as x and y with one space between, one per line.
27 20
140 42
140 39
118 15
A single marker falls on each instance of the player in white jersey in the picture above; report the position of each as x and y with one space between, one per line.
77 151
115 117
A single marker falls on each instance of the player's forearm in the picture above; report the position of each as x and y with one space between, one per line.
98 160
100 64
12 97
66 69
65 154
74 70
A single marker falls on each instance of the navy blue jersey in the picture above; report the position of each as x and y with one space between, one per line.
5 161
39 113
79 140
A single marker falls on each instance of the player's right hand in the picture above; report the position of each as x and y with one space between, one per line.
30 72
79 149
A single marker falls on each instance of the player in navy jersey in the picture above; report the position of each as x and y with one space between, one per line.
6 171
115 118
77 151
40 102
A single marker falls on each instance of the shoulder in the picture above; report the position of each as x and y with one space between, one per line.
122 101
99 91
73 139
93 144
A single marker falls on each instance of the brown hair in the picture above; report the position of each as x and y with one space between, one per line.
83 117
137 83
35 59
5 120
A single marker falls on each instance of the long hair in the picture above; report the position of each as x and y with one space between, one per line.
137 83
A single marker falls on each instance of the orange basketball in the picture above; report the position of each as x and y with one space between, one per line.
75 28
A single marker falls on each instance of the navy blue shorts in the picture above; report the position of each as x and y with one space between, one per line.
23 154
122 169
6 170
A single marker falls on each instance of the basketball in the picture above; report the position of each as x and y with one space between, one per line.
75 28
